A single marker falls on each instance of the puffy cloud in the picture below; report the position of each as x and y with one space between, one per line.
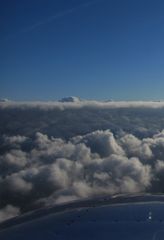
97 163
8 212
14 158
159 166
58 152
15 183
102 142
135 147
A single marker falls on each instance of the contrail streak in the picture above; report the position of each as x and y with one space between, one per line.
59 15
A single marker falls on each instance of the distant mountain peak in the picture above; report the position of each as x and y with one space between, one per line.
4 100
70 99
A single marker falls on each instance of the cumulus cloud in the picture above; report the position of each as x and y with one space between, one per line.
8 212
102 142
82 157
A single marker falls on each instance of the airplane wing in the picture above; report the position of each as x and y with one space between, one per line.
115 218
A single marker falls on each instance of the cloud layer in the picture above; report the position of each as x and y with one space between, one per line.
73 151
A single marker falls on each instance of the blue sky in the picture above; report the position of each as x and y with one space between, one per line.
98 49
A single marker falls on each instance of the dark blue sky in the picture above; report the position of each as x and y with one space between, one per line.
92 49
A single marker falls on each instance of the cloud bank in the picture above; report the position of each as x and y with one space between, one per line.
57 152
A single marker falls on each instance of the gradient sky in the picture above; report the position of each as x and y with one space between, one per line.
98 49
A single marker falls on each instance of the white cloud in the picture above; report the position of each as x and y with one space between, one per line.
8 212
74 102
57 152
